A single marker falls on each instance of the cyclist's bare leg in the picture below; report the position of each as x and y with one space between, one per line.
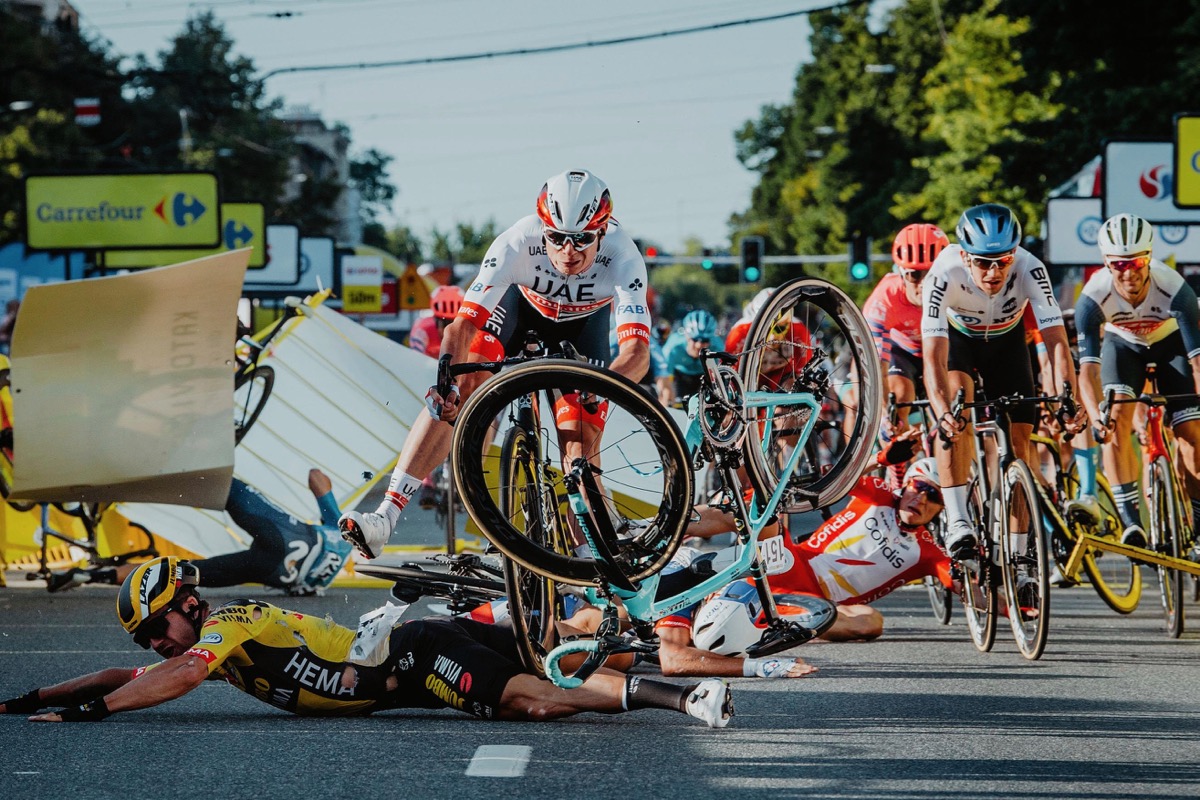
954 462
1187 435
855 623
527 697
1119 458
906 392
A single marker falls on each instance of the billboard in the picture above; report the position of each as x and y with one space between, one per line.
1073 222
282 270
1187 160
1138 179
318 259
242 225
362 284
109 212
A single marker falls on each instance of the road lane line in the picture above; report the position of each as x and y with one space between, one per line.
499 761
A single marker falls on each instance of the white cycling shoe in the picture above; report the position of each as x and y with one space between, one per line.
712 702
961 542
366 530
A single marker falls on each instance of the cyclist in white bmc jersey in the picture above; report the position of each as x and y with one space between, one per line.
556 272
972 304
1149 315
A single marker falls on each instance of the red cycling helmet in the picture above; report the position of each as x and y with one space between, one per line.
445 301
917 245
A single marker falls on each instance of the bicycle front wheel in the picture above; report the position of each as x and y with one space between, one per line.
251 390
634 450
810 338
1165 535
1025 562
979 581
941 599
1117 579
529 501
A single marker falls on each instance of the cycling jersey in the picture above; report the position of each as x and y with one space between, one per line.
950 298
295 662
859 555
894 320
518 258
425 337
679 361
1169 306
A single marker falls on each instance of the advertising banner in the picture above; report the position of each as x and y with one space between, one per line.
1073 222
362 284
1187 160
317 261
242 225
282 271
119 212
1138 179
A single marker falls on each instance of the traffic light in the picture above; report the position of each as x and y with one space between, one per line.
707 262
860 257
752 257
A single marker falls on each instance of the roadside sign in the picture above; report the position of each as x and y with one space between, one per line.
1072 224
242 225
282 271
413 293
1187 160
109 212
1138 179
362 284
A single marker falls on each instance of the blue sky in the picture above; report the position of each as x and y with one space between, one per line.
474 141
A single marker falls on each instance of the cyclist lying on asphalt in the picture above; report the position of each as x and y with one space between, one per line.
310 665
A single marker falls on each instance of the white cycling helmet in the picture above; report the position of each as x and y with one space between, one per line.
575 201
1125 235
725 623
922 468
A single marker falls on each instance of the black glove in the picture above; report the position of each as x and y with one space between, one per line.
25 704
898 452
88 712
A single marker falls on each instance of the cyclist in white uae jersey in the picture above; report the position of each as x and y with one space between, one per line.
972 304
1149 315
555 274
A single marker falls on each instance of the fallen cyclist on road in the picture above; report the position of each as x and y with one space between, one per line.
311 666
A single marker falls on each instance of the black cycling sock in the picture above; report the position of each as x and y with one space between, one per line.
1126 495
642 693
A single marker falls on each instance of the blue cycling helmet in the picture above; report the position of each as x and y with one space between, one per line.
988 230
699 324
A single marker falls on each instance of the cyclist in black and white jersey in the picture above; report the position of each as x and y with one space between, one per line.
556 272
1149 315
972 304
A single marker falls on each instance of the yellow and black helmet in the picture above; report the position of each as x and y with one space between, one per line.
152 588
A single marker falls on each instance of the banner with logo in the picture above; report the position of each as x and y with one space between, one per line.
1073 222
1138 179
1187 160
242 225
282 270
122 212
133 400
317 261
362 284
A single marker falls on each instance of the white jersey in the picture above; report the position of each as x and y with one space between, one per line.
518 258
950 298
1169 306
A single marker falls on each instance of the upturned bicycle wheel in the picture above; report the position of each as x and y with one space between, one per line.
979 579
1165 534
528 500
251 390
1116 579
1025 562
639 460
811 337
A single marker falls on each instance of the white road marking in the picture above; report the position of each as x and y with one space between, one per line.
27 773
499 761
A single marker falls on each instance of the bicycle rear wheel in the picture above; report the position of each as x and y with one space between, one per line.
1165 535
529 501
644 466
1026 562
941 599
811 337
251 390
1115 578
979 580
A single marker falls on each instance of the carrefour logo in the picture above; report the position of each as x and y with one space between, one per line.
183 209
1155 183
1088 230
236 235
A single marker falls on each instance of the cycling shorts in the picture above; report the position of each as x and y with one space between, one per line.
1001 362
1123 368
452 662
906 365
504 334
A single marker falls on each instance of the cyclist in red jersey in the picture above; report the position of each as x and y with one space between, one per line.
426 335
782 360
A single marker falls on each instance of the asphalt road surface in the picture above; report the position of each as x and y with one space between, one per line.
1111 710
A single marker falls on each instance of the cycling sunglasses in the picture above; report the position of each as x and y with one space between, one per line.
984 263
581 241
703 341
934 493
1126 264
914 275
153 628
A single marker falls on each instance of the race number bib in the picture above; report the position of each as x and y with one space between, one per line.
775 556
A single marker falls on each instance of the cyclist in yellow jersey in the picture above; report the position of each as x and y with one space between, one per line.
310 665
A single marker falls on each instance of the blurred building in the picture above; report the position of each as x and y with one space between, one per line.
323 154
52 13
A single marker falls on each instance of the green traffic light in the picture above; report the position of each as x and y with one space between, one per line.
707 263
860 271
752 274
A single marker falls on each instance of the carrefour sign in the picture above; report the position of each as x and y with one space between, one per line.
242 225
1139 177
108 212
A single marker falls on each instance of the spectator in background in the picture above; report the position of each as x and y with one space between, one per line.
7 324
